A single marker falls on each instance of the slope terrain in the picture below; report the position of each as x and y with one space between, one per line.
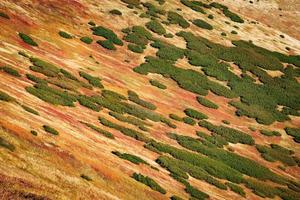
150 99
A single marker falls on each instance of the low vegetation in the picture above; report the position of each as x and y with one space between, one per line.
149 182
86 40
195 114
202 24
270 133
207 103
94 81
132 96
5 97
99 130
27 39
50 130
7 145
10 71
65 35
157 84
30 110
132 158
156 27
294 132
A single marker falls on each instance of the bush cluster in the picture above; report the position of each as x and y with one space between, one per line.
107 44
27 39
205 102
10 71
195 114
149 182
156 27
132 158
94 81
135 48
50 130
175 18
99 130
195 5
115 12
270 133
202 24
108 34
157 84
5 97
88 102
132 96
130 119
5 144
86 40
294 132
30 110
65 35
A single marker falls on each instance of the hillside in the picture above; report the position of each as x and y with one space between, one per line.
149 99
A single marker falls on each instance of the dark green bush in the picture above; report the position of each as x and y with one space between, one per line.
10 71
156 27
5 97
107 44
157 84
210 16
132 2
237 189
196 193
88 102
234 32
115 12
44 67
202 24
129 119
195 114
175 117
195 5
5 144
113 95
135 48
33 132
99 130
4 15
86 177
168 35
234 17
94 81
230 134
50 130
153 11
270 133
28 109
91 23
109 35
132 96
35 79
65 35
205 102
294 132
189 120
174 197
27 39
226 122
175 18
86 40
149 182
132 158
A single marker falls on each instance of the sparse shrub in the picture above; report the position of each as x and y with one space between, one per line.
50 130
10 71
132 96
223 34
174 197
132 158
108 34
107 44
195 5
4 15
156 27
205 102
115 12
33 132
234 32
94 81
99 130
270 133
210 16
189 120
5 144
157 84
175 117
135 48
27 39
195 114
202 24
86 177
175 18
28 109
65 35
149 182
5 97
86 40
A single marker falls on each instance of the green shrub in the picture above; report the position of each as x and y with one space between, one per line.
129 119
234 32
28 109
10 71
51 95
94 81
269 133
174 197
44 67
234 17
132 96
294 132
175 18
132 158
152 10
167 51
86 40
99 130
157 84
194 5
175 117
35 79
132 2
107 44
86 177
33 132
88 102
65 35
168 35
115 12
5 97
156 27
189 120
6 144
50 130
113 95
205 102
135 48
27 39
91 23
149 182
237 189
109 35
126 131
230 134
24 54
195 114
202 24
210 16
4 15
223 34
